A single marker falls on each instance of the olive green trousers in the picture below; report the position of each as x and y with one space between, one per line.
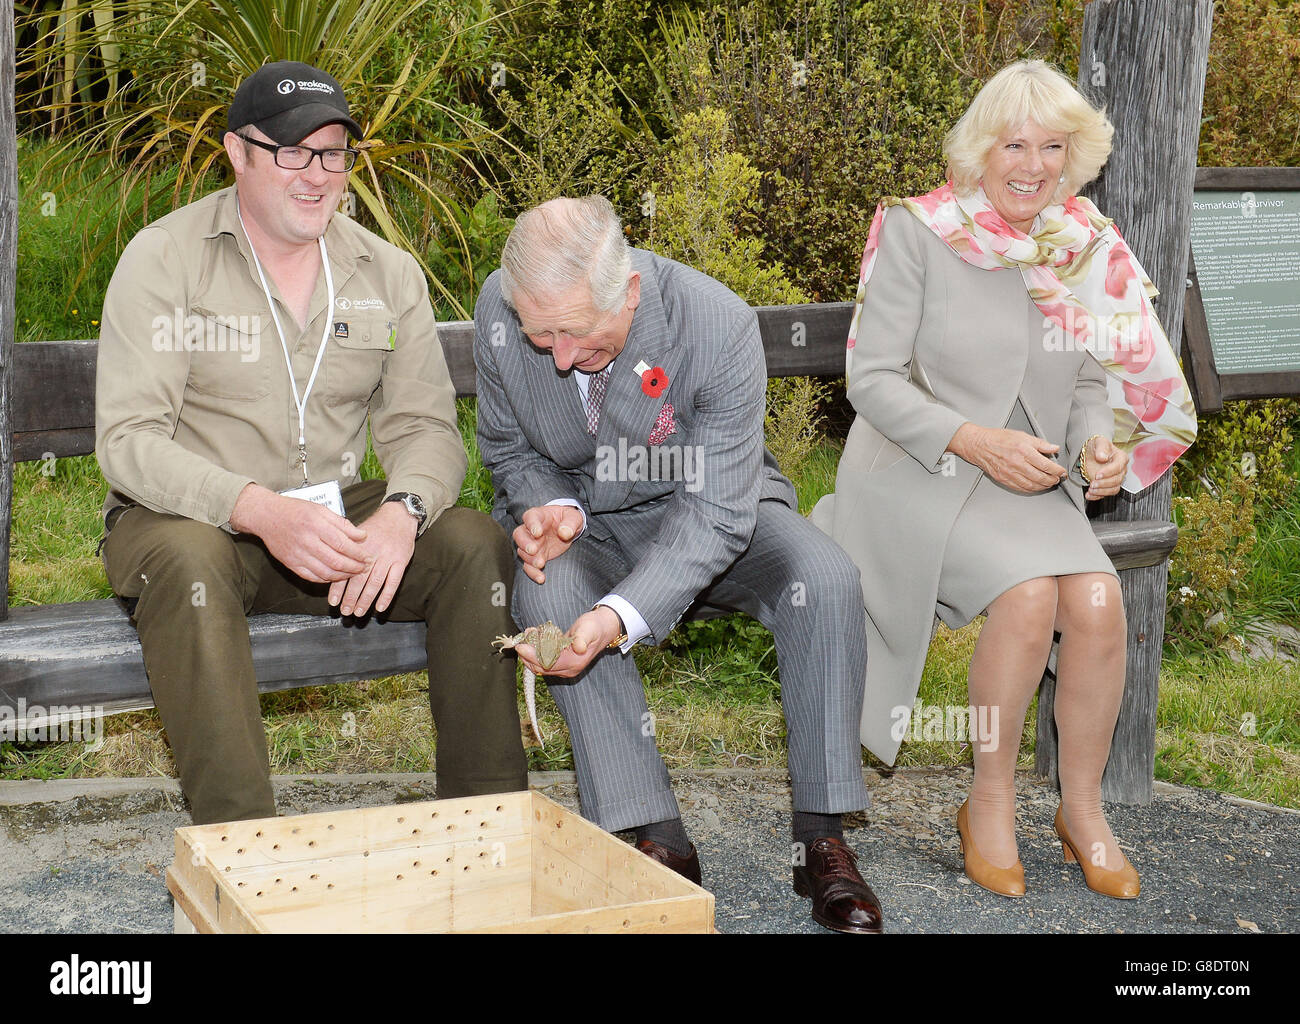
193 585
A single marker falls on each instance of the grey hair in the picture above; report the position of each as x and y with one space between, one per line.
563 243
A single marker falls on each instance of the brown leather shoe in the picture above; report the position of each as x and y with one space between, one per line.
842 901
687 867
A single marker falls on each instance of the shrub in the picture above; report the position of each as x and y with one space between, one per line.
705 215
837 107
1251 440
1208 569
1251 113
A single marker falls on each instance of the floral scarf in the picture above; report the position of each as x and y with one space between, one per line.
1101 304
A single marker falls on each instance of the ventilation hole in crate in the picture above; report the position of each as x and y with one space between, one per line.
278 881
225 839
312 843
401 821
663 918
482 824
329 885
434 814
329 828
314 877
465 868
447 861
415 863
469 810
399 878
242 884
295 830
240 850
499 807
259 894
626 922
415 831
365 853
434 871
450 828
258 834
275 846
294 889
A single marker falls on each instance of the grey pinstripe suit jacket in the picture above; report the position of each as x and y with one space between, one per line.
532 433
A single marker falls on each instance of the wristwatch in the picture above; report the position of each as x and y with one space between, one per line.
619 640
412 504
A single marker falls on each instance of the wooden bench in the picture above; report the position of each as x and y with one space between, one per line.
87 654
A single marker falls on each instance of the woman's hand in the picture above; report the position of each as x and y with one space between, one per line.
1106 467
1016 460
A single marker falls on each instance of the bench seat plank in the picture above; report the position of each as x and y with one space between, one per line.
87 654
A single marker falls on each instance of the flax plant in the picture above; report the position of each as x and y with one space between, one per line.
156 103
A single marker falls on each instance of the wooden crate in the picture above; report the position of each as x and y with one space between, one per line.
515 862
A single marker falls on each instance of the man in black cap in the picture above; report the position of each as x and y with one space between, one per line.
249 340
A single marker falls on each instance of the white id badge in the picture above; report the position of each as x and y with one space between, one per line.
327 494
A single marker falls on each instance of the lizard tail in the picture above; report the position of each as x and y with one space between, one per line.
530 699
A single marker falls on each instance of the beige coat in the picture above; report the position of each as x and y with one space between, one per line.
940 343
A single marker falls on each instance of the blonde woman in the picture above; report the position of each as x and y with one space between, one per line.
1006 366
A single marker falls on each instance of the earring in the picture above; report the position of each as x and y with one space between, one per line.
1062 180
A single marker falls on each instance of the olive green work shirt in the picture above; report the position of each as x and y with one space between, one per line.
192 395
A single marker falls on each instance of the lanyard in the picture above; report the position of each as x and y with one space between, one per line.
300 403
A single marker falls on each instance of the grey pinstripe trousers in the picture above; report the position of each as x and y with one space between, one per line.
795 581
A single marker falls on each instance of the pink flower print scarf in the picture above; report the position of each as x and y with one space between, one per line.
1082 276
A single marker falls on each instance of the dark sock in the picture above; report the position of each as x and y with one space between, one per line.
809 825
670 833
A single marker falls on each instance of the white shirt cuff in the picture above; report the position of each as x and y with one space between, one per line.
572 502
633 624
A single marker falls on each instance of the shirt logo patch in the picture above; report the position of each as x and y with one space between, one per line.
340 329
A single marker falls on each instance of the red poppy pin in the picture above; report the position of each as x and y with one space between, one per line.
653 381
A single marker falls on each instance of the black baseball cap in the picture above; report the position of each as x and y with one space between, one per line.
288 100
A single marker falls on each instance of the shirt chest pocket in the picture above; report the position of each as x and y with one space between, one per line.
228 357
354 362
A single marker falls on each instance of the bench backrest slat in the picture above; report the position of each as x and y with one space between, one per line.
54 381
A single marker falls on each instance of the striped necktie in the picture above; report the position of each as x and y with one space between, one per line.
596 398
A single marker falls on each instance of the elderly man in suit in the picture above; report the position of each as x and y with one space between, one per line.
620 412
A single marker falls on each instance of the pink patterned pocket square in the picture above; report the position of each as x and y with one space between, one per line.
664 425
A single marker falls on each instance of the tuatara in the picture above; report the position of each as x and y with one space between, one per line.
550 642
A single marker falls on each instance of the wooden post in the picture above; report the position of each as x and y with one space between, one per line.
1145 60
8 268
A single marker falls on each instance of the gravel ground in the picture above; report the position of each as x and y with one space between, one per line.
89 855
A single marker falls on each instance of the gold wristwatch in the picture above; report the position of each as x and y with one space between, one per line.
619 640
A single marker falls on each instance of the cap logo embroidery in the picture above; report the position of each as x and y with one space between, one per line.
285 87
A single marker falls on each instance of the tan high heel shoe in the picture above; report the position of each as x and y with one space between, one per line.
1122 884
1003 881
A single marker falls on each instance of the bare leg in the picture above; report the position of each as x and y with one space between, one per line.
1089 687
1005 670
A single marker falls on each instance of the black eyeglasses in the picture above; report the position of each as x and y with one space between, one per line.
296 158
